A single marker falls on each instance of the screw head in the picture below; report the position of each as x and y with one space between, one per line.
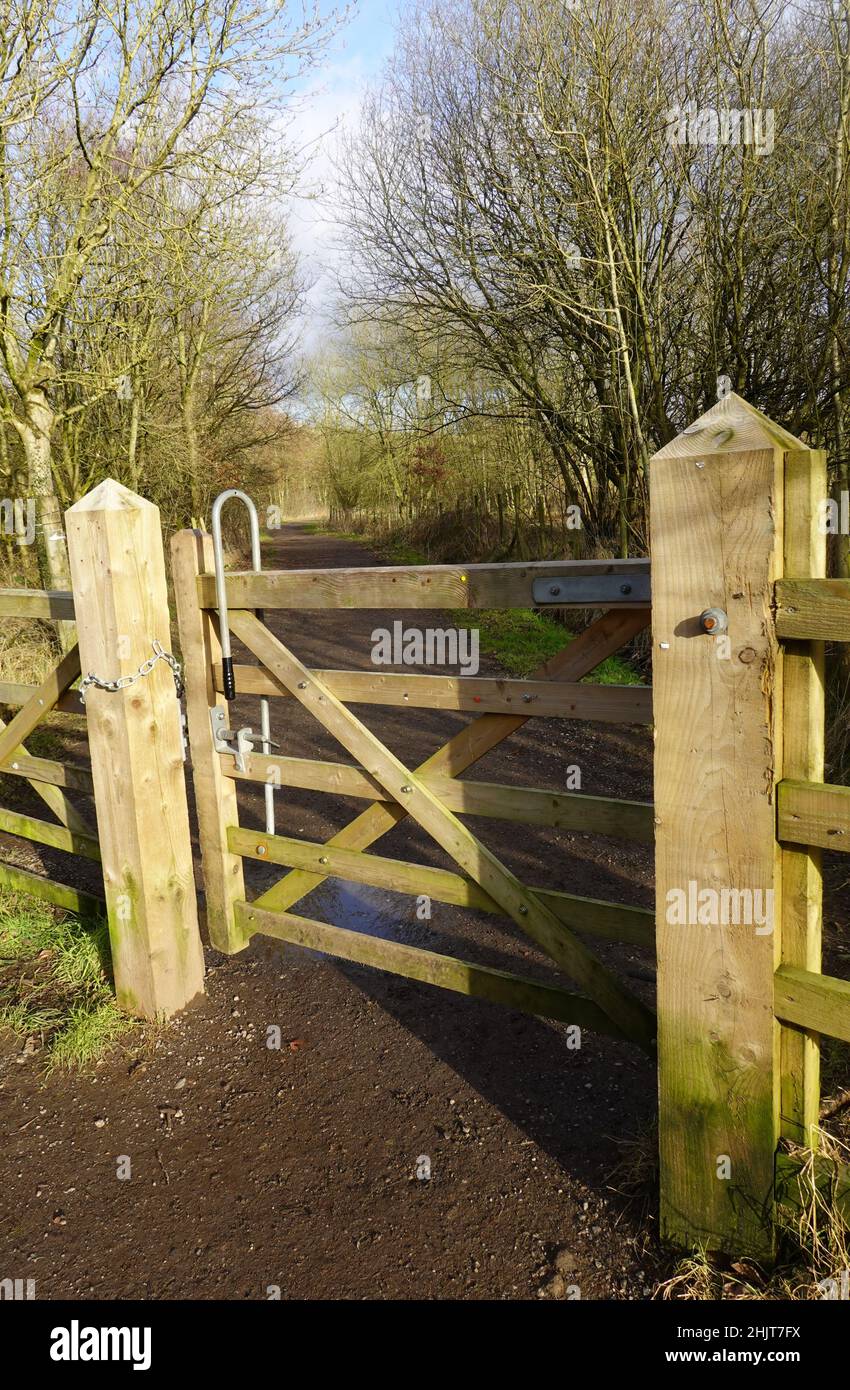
406 788
554 590
302 685
625 588
261 849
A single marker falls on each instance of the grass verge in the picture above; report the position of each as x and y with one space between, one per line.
521 639
55 990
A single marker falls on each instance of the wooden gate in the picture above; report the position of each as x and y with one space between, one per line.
739 611
432 794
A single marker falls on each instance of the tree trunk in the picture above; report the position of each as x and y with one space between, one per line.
51 549
193 452
133 442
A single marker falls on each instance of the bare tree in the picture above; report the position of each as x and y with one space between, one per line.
102 106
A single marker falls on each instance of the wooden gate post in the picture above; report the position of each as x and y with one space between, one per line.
215 794
717 509
803 759
121 604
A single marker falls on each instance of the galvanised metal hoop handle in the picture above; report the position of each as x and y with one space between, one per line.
228 680
220 586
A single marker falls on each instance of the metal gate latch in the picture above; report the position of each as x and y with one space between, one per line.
238 742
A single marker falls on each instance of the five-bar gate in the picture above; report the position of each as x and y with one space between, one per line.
433 794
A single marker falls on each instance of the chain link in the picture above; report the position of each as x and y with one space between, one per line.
123 682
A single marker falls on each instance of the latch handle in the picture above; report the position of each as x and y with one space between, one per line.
228 680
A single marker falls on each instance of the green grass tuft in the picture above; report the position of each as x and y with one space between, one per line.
87 1035
55 983
521 639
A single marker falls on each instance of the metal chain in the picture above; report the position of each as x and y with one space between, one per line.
145 669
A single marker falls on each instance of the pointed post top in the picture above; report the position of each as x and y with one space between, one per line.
731 426
111 496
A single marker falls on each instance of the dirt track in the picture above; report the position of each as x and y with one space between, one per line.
297 1168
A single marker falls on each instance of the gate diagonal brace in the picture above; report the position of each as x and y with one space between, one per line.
527 911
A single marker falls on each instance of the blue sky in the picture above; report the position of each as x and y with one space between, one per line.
329 101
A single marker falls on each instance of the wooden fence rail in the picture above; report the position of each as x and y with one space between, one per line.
616 704
600 815
813 609
431 586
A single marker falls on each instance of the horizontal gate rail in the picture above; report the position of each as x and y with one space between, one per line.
45 833
610 920
426 586
814 813
818 1003
14 694
627 820
813 608
620 704
49 771
60 894
445 972
37 603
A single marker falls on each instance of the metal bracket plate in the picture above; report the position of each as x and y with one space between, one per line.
237 742
593 590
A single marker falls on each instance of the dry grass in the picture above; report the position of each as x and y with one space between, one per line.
814 1244
27 651
820 1227
838 717
27 646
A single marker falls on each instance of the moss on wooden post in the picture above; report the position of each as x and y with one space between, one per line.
717 542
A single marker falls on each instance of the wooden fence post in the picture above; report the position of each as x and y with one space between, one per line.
803 759
215 794
121 603
716 495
